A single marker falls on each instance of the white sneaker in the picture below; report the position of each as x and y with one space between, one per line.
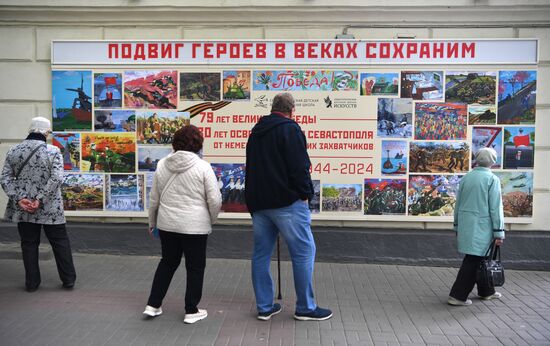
456 302
192 318
151 311
496 295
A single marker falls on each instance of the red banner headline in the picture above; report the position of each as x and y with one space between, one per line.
297 50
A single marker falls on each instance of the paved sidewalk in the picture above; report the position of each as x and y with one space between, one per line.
372 304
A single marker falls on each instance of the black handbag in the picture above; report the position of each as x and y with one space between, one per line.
490 272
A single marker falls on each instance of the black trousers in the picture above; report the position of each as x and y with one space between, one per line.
174 245
466 279
30 240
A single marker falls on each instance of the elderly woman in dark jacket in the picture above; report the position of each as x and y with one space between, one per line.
32 177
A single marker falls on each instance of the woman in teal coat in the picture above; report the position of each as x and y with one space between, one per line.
478 218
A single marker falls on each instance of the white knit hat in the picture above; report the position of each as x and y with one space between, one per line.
40 125
486 157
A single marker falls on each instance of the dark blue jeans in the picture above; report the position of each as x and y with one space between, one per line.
293 222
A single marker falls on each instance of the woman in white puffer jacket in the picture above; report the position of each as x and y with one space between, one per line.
184 202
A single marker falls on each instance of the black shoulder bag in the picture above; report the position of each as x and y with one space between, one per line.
27 160
490 272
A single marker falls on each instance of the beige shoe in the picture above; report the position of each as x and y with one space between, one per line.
496 295
192 318
456 302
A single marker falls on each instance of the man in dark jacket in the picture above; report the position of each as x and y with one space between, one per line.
278 187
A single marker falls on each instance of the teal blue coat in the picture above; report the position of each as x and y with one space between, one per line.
478 213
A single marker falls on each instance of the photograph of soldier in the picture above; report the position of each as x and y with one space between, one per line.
394 118
151 89
385 196
482 114
342 197
487 137
231 179
517 193
432 195
440 121
159 127
439 157
108 152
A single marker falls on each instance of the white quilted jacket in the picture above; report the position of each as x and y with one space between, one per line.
192 201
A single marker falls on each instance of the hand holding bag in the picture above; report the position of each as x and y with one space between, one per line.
490 272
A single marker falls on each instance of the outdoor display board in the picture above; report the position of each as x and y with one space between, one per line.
388 139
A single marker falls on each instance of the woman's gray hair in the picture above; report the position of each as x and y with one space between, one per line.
283 103
486 157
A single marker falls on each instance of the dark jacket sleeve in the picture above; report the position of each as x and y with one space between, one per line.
298 164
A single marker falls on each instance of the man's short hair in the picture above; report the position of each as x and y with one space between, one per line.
283 103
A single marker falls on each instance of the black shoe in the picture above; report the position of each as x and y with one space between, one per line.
266 316
68 285
318 314
31 289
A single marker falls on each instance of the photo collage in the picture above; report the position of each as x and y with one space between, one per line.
114 127
430 132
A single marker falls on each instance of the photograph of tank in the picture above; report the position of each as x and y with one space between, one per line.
471 87
236 85
482 114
